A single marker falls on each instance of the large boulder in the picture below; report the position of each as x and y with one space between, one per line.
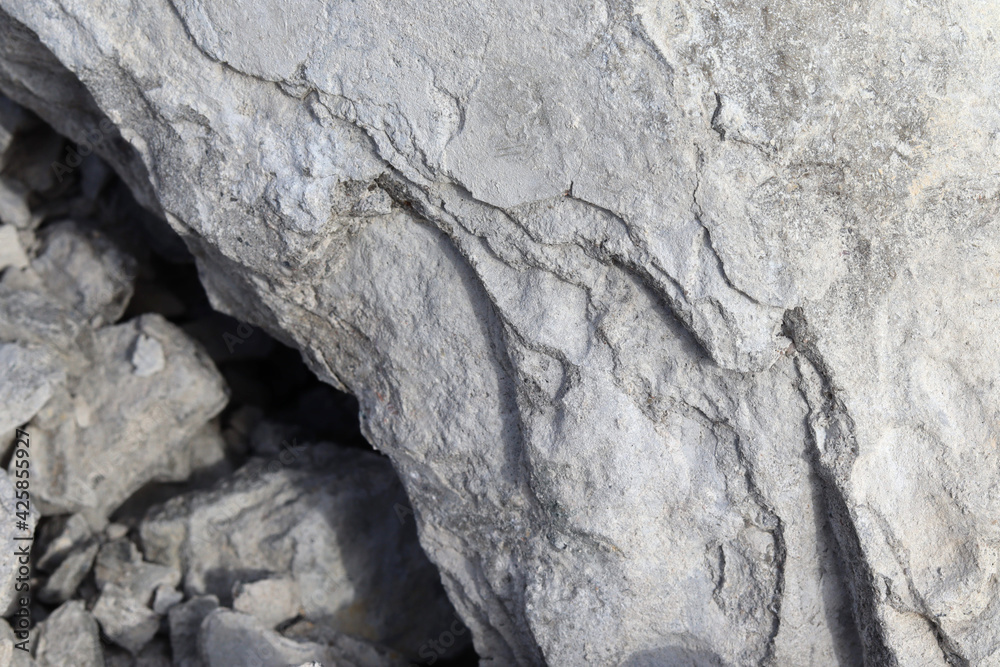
677 319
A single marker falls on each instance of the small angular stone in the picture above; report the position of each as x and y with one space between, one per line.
147 357
11 252
69 637
318 515
14 204
119 563
30 375
59 537
10 654
34 318
165 598
71 571
86 271
124 619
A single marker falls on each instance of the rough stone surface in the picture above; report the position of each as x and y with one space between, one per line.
232 639
185 622
165 598
120 564
59 538
14 209
66 578
29 378
11 252
271 601
127 585
124 619
83 462
155 654
69 637
68 547
9 655
85 271
313 531
678 319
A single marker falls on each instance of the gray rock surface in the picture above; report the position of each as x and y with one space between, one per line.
165 598
127 585
58 539
677 319
11 252
9 655
85 271
69 637
67 547
121 428
313 532
185 622
155 654
350 651
120 564
14 209
63 582
30 377
232 639
124 619
271 601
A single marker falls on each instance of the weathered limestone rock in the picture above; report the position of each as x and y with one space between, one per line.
127 584
677 319
124 619
313 531
11 252
232 639
69 637
185 623
271 601
68 547
30 375
146 418
85 271
9 655
119 563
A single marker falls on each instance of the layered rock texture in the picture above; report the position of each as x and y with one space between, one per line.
678 320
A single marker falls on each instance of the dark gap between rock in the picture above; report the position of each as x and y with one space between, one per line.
283 438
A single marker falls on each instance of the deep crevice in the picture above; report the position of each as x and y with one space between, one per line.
831 463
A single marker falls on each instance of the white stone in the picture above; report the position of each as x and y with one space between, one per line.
147 356
11 252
